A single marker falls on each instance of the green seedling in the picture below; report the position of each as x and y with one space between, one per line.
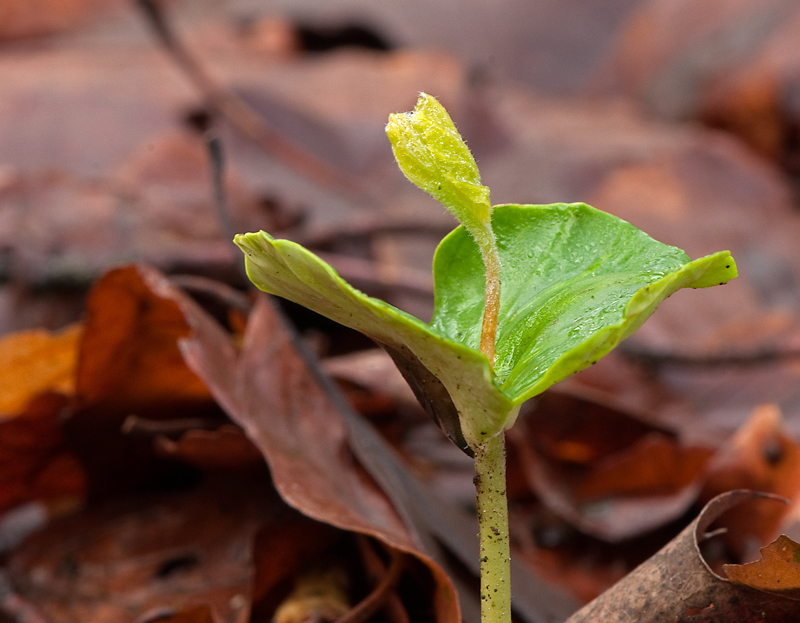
524 296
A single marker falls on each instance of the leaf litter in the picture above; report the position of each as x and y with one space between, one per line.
593 499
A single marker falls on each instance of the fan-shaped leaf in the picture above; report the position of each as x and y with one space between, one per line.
576 282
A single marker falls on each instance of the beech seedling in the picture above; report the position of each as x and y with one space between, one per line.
524 296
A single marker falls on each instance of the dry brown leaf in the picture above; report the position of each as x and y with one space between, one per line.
777 571
129 353
269 391
676 584
130 558
762 457
27 18
668 48
656 465
226 448
130 364
604 471
36 361
35 463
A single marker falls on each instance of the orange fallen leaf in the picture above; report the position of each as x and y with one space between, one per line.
777 571
654 465
763 457
129 354
34 362
130 364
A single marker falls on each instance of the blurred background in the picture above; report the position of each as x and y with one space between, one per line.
681 117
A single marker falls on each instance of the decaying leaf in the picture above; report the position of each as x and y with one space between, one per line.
130 364
125 559
129 351
676 584
29 18
760 456
35 462
270 393
226 448
604 471
778 571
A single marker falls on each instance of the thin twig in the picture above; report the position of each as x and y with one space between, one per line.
135 425
364 610
243 116
221 291
217 157
394 609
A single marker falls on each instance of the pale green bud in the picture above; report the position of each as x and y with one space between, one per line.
431 153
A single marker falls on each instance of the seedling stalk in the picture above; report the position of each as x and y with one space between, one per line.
495 550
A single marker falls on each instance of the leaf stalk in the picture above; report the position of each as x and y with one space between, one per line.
491 309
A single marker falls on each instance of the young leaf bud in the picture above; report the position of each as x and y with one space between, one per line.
431 153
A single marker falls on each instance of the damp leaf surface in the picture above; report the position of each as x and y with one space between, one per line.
576 282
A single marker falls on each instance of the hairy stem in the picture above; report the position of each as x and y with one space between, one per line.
490 488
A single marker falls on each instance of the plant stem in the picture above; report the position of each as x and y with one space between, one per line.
491 263
490 488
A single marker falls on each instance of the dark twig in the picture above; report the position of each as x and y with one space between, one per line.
217 157
373 602
240 113
135 425
375 569
224 293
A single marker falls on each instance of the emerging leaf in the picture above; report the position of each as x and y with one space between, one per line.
431 153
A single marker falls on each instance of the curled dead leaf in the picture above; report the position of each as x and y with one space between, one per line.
267 389
761 456
676 584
